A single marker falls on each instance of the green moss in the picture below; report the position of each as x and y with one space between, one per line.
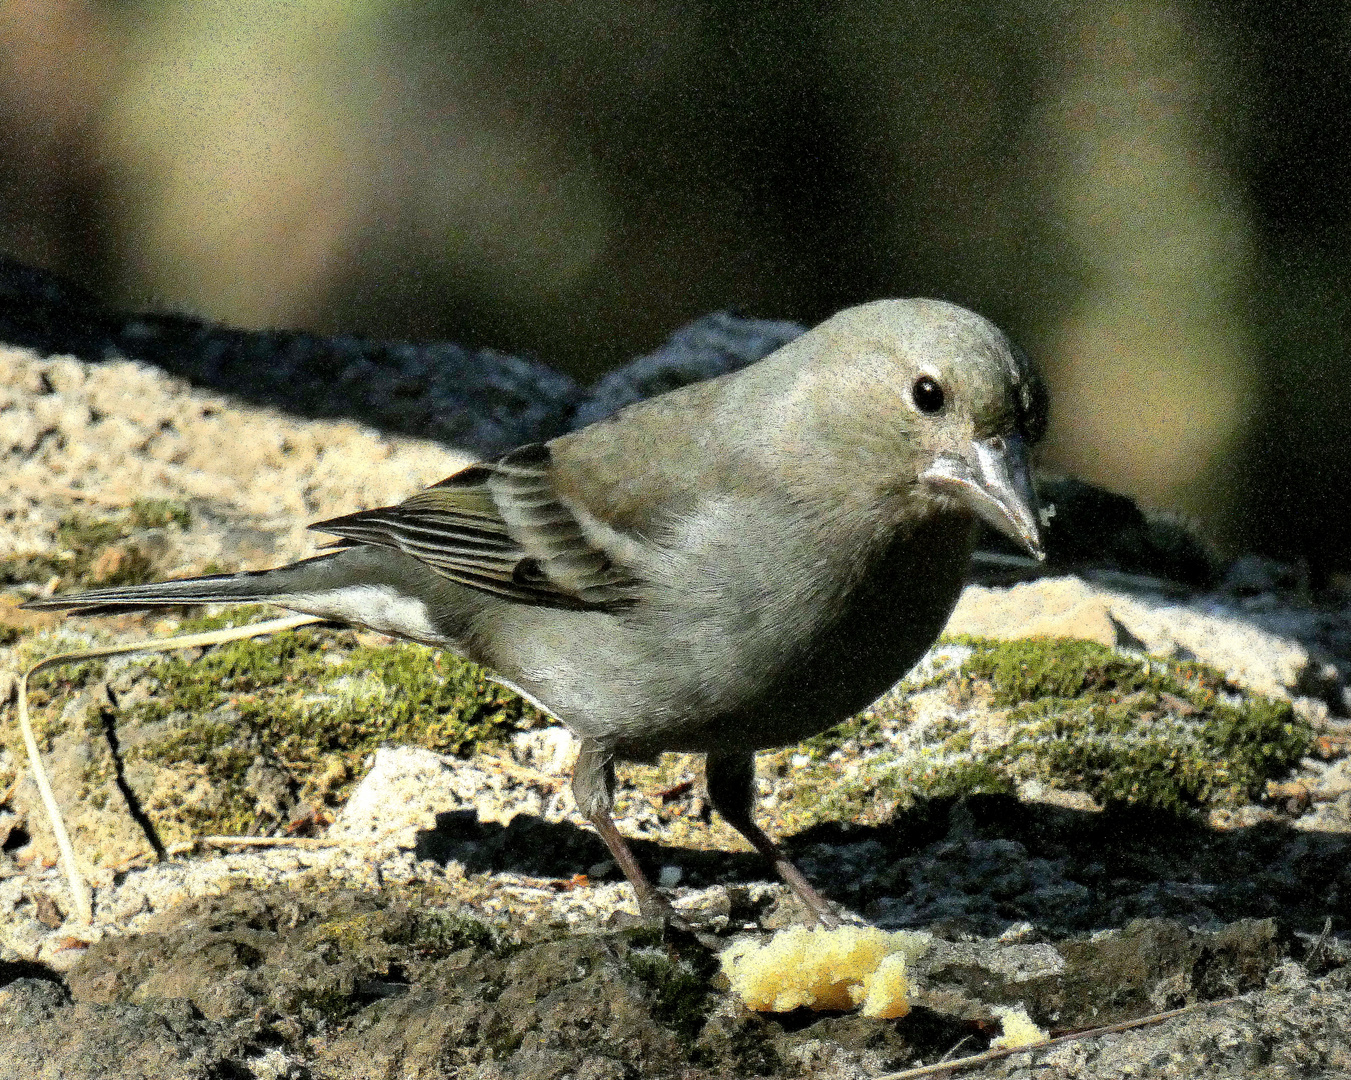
314 703
821 792
1037 668
430 932
158 513
866 729
679 991
440 933
946 779
1165 734
79 533
55 685
1158 733
37 569
227 619
65 677
854 729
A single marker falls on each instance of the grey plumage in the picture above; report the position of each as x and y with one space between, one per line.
731 566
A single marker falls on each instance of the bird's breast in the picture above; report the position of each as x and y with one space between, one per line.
804 642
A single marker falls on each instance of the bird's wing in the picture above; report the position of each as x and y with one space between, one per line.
501 528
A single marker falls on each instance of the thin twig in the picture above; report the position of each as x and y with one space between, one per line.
79 891
136 862
1318 946
955 1047
1075 1036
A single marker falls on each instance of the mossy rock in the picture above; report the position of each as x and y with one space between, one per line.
301 711
1164 734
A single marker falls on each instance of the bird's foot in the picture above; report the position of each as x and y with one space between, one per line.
815 903
654 906
658 915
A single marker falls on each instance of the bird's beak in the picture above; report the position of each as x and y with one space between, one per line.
993 479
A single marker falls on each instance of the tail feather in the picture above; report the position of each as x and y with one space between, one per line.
385 590
211 589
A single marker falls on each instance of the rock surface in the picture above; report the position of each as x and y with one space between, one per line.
435 906
1217 631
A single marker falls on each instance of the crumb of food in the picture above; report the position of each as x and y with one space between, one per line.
888 990
825 969
1019 1030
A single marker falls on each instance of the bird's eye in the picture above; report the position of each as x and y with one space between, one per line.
927 394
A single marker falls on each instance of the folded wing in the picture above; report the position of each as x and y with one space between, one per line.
501 528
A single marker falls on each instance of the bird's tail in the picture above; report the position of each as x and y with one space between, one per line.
386 590
249 586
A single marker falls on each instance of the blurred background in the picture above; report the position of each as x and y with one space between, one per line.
1150 195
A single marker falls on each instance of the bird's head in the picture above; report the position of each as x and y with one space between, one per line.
957 405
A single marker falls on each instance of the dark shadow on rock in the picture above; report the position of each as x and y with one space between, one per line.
1093 527
478 400
13 970
108 718
529 845
982 863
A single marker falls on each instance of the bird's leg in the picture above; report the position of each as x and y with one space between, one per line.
731 790
593 786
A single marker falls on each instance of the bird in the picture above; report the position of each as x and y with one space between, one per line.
728 567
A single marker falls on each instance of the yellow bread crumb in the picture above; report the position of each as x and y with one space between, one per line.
888 989
1019 1030
825 969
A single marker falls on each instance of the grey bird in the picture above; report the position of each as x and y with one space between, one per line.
731 566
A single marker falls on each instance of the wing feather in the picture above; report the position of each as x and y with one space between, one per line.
501 528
